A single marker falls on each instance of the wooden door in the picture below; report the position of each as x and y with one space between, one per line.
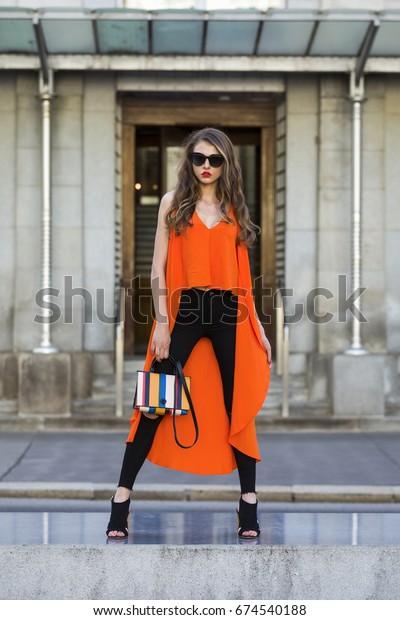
152 134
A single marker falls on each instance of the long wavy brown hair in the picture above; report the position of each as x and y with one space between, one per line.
229 188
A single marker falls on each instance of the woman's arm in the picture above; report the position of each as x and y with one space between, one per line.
265 342
264 339
161 336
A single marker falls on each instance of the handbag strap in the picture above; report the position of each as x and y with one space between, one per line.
179 369
154 362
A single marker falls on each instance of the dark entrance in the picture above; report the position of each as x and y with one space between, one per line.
151 153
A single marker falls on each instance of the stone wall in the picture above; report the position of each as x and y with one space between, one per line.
334 206
391 211
83 159
8 147
99 150
319 202
20 209
301 209
318 217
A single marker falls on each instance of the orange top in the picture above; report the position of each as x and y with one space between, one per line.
209 254
213 454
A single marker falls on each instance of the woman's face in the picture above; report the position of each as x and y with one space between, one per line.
206 174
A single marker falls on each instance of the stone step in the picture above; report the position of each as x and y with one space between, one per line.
131 366
280 566
102 402
103 398
273 404
103 419
297 383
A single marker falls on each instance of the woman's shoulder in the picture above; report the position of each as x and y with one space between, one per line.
168 198
166 202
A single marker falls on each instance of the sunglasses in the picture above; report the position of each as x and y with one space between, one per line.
198 159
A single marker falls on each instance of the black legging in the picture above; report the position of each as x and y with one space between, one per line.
211 313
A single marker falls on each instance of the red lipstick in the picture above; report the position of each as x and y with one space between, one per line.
206 174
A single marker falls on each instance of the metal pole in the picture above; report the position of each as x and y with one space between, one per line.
46 93
357 98
285 372
279 331
354 528
119 356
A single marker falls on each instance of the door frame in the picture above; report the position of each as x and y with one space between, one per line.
201 111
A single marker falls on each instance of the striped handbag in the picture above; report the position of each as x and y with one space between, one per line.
163 394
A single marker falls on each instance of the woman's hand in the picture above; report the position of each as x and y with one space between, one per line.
266 344
161 341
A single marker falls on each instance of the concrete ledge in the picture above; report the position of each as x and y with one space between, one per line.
230 493
344 494
265 423
181 492
47 490
140 572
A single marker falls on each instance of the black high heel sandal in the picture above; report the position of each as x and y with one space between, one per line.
246 520
118 519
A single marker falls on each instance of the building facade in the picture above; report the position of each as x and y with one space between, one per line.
118 117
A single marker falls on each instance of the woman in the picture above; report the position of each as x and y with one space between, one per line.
204 317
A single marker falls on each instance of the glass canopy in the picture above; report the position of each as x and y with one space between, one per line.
17 35
338 38
387 41
128 36
192 32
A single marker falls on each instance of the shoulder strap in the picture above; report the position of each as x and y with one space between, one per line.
195 424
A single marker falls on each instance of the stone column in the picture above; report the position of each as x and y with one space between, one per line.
358 377
45 375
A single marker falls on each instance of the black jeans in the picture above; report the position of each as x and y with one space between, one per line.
210 313
213 314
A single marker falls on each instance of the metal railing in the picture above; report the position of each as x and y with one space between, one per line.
119 352
282 350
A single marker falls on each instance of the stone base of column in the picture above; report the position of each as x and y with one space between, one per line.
82 375
8 376
44 384
358 385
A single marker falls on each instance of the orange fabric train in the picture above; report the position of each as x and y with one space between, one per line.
212 454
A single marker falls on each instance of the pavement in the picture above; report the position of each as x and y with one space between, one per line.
296 467
329 516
